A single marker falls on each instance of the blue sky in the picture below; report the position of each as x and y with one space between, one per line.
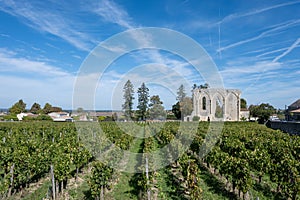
43 44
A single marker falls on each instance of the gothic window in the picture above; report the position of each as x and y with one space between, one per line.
219 108
204 103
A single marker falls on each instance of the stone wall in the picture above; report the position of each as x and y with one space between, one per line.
216 104
285 126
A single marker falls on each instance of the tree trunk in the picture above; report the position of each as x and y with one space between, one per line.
77 171
102 193
62 187
57 188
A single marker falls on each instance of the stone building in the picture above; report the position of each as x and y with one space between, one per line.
216 104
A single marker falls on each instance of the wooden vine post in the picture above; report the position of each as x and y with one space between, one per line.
53 181
11 179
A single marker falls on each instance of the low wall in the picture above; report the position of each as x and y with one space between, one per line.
285 126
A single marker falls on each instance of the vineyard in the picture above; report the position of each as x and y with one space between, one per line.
46 160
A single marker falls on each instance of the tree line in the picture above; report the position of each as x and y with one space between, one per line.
152 107
20 107
148 107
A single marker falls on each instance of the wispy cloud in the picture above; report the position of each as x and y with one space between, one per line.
112 12
254 12
280 27
248 68
44 20
4 35
293 46
10 62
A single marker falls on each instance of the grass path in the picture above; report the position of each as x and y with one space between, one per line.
124 189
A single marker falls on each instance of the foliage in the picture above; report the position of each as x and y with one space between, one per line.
243 103
186 106
56 109
176 110
35 108
171 117
100 178
128 97
32 147
156 110
80 110
101 118
205 86
10 117
44 117
196 118
37 118
47 108
143 99
180 93
262 111
245 153
18 107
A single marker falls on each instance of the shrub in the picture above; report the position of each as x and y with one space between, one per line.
196 118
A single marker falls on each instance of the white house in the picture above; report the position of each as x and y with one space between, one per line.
60 116
21 115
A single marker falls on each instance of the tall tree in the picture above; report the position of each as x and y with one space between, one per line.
56 109
155 100
18 107
47 108
205 86
180 93
143 99
186 106
128 99
156 110
35 108
176 110
243 103
80 110
262 111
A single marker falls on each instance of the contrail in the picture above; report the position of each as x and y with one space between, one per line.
294 45
219 27
254 12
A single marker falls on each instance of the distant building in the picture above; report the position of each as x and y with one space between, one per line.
21 115
60 116
274 118
293 111
244 114
294 105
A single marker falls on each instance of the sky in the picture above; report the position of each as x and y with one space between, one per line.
46 47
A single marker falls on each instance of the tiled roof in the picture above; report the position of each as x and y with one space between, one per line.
296 104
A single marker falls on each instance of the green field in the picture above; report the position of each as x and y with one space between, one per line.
247 161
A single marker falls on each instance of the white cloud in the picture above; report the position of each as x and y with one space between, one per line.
111 12
9 62
51 21
55 90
